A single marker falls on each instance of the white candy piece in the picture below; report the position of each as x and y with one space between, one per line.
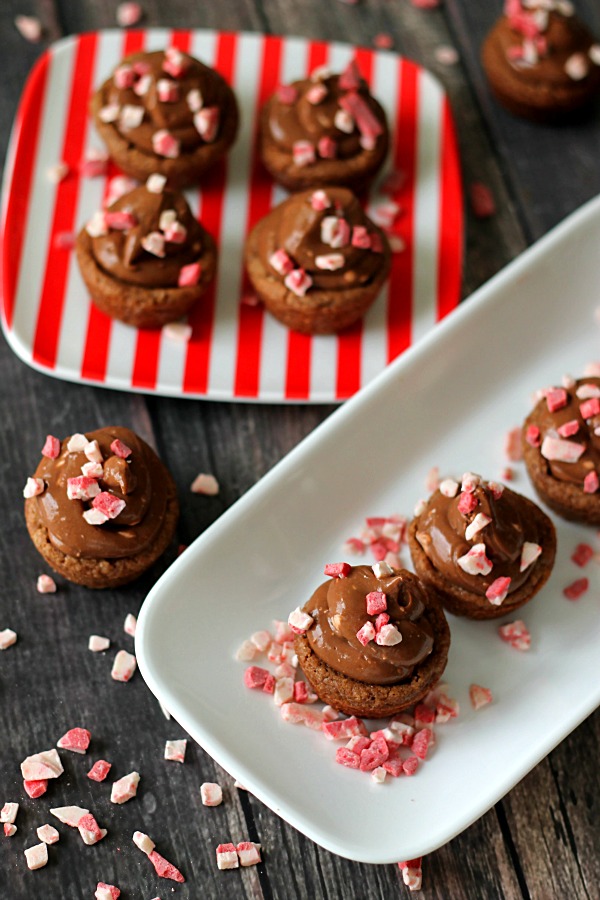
9 829
248 853
284 691
143 842
175 750
167 218
57 173
205 484
246 652
33 487
130 624
475 562
91 837
194 100
330 262
300 620
449 487
420 507
211 793
131 116
478 524
469 482
381 569
343 121
554 448
37 856
594 54
577 66
177 331
69 815
261 640
378 775
97 643
156 183
124 666
227 859
42 765
125 788
109 113
8 813
48 834
587 391
388 635
529 554
95 516
92 470
93 452
8 637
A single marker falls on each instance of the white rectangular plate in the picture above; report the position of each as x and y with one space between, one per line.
447 402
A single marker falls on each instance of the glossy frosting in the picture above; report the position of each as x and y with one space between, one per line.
549 423
295 226
339 609
121 254
305 121
139 480
441 534
175 117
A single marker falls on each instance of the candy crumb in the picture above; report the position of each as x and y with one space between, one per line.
128 14
227 857
97 643
175 750
205 484
143 842
130 624
29 27
211 794
479 696
8 637
9 829
124 666
45 584
106 891
575 590
125 788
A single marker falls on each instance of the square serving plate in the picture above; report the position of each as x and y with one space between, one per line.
446 402
236 351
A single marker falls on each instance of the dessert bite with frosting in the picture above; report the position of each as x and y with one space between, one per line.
317 261
561 449
165 112
486 549
146 260
541 61
371 641
101 506
324 129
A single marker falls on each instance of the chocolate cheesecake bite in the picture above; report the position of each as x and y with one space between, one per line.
165 112
101 507
146 260
486 549
541 61
322 130
371 641
561 449
317 261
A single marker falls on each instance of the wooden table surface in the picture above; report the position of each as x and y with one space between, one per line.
542 840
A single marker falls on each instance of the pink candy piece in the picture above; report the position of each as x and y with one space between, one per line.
516 634
512 445
590 408
124 666
227 857
177 331
10 829
255 677
303 153
248 853
497 591
388 635
287 93
568 429
301 714
124 77
366 633
205 484
70 815
175 62
108 504
120 449
206 123
94 164
475 562
8 637
125 788
300 690
410 765
82 488
335 232
175 751
154 243
99 770
533 436
211 794
51 448
367 122
556 399
128 14
560 450
76 739
316 94
120 220
529 554
320 201
343 729
176 233
590 483
482 200
42 766
8 813
167 91
189 275
479 696
575 590
118 186
330 262
143 842
34 788
281 262
383 41
37 856
467 502
338 570
360 237
107 891
347 758
165 144
298 282
45 585
165 869
421 742
89 830
327 148
582 554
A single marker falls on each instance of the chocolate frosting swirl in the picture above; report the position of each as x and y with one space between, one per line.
174 116
339 609
139 480
302 120
120 252
549 422
441 534
562 37
295 226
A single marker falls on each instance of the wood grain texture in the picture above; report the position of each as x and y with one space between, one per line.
542 840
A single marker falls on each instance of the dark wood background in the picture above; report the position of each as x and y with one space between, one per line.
542 841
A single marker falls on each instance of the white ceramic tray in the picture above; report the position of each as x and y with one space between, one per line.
447 402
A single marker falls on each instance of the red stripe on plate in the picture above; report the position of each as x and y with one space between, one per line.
405 152
349 342
99 326
250 319
147 347
49 318
212 197
450 247
299 346
27 129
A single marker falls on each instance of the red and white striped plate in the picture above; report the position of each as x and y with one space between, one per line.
236 352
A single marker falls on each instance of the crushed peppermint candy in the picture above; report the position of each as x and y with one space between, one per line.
99 770
498 590
482 200
175 751
29 27
41 766
8 813
475 562
128 13
516 634
205 484
130 624
76 739
107 891
143 842
227 857
124 666
37 856
8 637
479 696
48 834
97 643
211 794
299 621
165 869
575 590
125 788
